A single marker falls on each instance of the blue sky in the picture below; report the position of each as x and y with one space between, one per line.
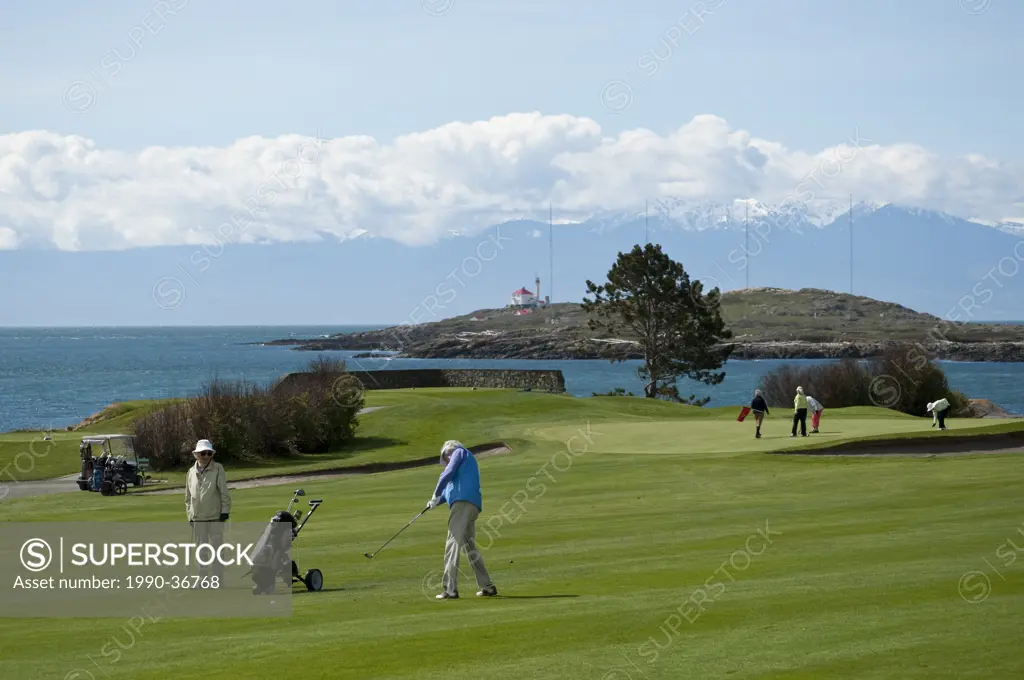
429 117
801 71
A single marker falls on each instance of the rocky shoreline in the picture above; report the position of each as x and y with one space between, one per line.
561 345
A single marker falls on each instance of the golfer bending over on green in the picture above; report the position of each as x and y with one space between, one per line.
459 486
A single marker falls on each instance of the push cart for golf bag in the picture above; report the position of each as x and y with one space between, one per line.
271 553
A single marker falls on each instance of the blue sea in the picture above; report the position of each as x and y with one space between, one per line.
51 378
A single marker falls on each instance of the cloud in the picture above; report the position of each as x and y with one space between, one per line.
64 191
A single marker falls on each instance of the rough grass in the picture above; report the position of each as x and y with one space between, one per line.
600 554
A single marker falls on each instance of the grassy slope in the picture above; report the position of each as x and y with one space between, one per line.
394 434
860 580
25 456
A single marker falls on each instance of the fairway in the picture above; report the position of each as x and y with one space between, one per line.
628 539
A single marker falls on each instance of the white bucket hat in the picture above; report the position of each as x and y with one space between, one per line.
204 445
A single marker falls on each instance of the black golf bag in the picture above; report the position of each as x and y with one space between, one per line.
272 557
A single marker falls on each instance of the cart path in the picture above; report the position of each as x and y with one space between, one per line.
46 487
66 483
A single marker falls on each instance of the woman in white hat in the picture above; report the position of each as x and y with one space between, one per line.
207 501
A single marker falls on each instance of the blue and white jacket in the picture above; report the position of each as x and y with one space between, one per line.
460 480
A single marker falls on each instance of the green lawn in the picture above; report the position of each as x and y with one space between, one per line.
608 521
26 456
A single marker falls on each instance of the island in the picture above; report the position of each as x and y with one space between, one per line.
767 323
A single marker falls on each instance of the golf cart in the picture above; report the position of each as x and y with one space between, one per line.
270 556
111 466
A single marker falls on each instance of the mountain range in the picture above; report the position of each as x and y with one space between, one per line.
931 262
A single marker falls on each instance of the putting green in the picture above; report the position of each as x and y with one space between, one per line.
722 436
689 563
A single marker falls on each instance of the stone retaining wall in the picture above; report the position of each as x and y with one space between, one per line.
539 380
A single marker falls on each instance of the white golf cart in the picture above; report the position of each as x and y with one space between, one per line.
110 463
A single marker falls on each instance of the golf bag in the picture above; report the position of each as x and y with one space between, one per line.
272 558
272 553
112 482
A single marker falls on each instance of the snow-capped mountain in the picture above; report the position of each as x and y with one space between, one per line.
698 216
1014 228
929 261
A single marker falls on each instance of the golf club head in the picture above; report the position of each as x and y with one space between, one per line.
300 492
368 556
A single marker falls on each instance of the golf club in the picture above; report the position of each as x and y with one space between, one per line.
370 555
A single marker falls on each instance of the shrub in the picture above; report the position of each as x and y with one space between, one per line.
913 379
845 383
325 365
617 392
904 378
246 421
671 393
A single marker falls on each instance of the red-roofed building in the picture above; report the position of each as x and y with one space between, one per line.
523 298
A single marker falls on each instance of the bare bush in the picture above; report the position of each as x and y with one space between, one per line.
838 384
246 421
905 378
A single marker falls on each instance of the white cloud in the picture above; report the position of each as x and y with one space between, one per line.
8 239
63 191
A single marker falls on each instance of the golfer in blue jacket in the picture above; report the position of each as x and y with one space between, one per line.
459 487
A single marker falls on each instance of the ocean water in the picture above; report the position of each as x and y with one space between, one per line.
50 378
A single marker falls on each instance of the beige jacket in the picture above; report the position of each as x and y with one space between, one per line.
206 493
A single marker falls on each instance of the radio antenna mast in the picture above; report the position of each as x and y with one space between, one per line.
551 252
746 241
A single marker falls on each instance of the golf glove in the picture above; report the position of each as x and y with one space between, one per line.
434 502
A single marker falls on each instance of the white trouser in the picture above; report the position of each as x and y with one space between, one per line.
212 534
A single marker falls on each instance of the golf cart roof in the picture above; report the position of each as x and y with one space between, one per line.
97 438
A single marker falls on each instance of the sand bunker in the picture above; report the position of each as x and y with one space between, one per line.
951 445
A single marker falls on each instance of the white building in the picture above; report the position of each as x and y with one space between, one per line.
523 298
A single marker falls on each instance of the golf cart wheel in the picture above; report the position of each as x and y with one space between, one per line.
120 488
83 485
314 580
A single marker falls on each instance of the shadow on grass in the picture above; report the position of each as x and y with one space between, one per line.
301 590
530 597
